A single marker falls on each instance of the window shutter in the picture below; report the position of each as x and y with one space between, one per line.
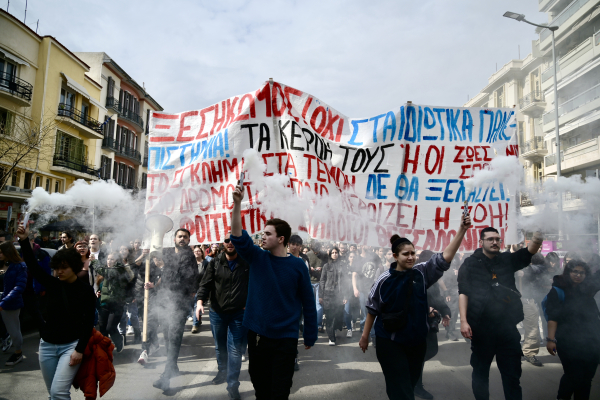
111 128
115 170
121 93
147 121
108 165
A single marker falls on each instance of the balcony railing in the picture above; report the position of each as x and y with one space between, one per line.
110 143
131 116
532 97
563 16
550 159
65 110
15 86
537 143
76 165
574 103
112 103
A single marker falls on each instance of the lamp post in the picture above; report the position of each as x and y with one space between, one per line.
521 18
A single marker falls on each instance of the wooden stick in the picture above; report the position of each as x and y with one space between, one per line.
146 294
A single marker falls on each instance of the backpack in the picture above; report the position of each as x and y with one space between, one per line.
561 297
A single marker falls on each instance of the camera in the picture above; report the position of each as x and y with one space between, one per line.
434 322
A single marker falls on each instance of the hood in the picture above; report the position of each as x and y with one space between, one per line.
560 282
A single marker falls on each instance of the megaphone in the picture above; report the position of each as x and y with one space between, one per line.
158 225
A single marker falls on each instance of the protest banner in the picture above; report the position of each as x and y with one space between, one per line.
332 177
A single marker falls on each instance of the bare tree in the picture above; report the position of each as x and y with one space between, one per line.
24 143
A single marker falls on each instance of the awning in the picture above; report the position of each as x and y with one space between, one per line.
14 58
76 86
96 103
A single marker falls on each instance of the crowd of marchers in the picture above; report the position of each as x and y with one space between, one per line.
87 298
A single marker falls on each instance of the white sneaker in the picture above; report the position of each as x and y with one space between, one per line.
349 334
331 343
190 319
243 358
143 358
130 330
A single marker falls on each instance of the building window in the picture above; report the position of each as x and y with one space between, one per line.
28 178
147 121
67 99
48 185
38 181
57 187
16 177
115 170
5 120
144 180
70 148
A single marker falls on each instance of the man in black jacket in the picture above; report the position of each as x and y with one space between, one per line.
178 283
490 308
225 281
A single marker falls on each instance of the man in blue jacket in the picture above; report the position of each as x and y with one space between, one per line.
279 290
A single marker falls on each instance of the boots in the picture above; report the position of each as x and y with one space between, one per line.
137 336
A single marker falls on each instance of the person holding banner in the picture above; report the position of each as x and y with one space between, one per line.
279 290
490 309
397 306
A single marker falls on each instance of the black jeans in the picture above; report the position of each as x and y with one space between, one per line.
401 366
173 324
577 379
108 320
504 342
271 365
335 316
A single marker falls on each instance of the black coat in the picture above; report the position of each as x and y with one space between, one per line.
179 278
578 318
334 286
227 290
475 279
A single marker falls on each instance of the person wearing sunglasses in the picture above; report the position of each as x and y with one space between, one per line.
490 308
573 325
225 282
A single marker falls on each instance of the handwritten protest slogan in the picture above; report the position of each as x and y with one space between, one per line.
346 179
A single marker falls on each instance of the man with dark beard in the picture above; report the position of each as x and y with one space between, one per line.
178 282
225 281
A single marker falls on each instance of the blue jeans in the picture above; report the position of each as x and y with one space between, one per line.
54 363
362 298
347 315
229 334
320 310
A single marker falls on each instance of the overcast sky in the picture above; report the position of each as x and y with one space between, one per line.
361 57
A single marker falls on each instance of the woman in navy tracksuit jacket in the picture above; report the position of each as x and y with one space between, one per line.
15 280
401 353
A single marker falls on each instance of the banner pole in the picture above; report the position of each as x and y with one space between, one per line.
275 133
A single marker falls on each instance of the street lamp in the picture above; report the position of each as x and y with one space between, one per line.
521 17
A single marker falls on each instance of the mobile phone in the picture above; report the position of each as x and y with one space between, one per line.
466 208
242 179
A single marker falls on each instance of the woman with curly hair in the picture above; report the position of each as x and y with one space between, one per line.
69 316
573 324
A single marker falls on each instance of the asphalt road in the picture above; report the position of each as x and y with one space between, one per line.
326 372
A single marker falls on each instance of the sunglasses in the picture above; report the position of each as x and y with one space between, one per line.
226 240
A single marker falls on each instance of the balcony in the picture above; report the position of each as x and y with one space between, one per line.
576 58
575 157
131 154
87 126
15 89
110 144
573 108
534 149
112 104
567 17
132 117
533 104
77 168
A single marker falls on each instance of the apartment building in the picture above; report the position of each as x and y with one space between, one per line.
124 154
528 85
49 111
